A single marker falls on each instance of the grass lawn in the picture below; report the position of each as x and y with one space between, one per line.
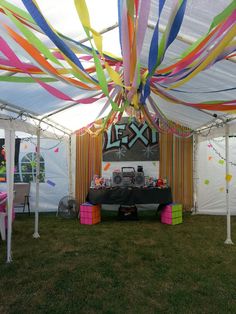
119 266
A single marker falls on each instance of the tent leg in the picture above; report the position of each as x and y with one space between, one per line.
228 239
10 160
36 223
195 174
70 168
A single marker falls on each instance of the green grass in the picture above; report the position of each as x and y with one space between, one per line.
119 266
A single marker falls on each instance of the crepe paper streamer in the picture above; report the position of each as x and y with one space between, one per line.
221 105
153 52
222 189
209 157
41 60
20 79
56 150
33 39
51 183
206 182
52 90
40 20
223 15
85 20
221 161
17 10
125 44
206 44
215 24
199 51
107 166
216 50
11 55
228 177
168 126
216 45
172 28
84 17
2 170
203 92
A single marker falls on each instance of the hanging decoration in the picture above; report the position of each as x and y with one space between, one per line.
222 159
123 83
51 183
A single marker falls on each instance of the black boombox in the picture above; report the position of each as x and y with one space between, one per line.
128 177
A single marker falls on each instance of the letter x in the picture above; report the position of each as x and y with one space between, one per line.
138 134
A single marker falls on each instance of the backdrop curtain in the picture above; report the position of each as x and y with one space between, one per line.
176 164
88 162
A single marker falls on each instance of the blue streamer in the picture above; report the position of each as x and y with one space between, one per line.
176 24
153 54
40 20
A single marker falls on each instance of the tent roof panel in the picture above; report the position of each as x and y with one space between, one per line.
197 19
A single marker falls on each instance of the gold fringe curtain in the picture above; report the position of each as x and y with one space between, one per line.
176 164
88 163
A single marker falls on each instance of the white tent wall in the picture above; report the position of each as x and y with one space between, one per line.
211 172
56 183
55 186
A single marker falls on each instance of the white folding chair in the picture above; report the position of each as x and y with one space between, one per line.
2 221
3 226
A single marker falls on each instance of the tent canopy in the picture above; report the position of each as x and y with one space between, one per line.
214 83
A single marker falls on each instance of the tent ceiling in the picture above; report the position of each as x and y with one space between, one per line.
199 14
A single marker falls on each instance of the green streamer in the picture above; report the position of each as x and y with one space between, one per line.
223 15
22 13
20 79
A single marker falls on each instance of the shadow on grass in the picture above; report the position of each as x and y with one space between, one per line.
143 215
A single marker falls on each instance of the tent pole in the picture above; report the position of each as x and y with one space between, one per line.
195 173
228 239
36 214
69 167
10 161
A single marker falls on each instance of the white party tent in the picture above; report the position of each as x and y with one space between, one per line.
29 107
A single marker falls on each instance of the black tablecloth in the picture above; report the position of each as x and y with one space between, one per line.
130 196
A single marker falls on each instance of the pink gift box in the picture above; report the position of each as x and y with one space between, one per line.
167 209
166 220
166 214
171 214
90 214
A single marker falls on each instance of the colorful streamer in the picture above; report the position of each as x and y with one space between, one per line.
123 83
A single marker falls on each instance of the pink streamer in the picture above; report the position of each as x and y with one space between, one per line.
125 45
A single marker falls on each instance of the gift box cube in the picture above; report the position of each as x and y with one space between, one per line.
90 214
172 214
